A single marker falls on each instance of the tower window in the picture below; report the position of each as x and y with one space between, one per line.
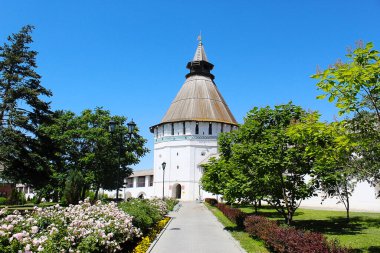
210 128
172 128
184 127
196 128
221 128
156 132
163 130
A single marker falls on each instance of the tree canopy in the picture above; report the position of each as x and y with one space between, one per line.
354 87
24 149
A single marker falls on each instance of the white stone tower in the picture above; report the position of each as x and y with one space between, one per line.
187 134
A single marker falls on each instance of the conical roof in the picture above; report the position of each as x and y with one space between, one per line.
199 99
200 54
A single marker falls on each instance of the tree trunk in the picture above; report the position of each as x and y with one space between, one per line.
347 209
83 193
289 218
255 203
97 192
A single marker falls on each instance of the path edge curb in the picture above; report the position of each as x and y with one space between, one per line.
162 231
236 242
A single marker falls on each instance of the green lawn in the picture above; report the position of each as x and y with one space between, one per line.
246 242
362 233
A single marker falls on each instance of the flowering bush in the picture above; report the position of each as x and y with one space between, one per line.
77 228
144 244
160 205
288 239
170 203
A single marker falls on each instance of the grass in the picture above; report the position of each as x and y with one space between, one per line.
362 233
246 242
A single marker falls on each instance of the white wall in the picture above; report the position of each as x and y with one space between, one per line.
182 154
363 199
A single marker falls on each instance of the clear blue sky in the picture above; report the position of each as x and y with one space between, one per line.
130 56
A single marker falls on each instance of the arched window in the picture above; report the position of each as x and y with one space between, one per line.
210 128
197 128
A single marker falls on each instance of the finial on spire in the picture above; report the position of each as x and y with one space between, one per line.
200 37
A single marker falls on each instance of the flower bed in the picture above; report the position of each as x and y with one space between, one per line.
83 227
144 244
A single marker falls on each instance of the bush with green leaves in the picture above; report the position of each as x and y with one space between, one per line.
3 200
76 228
145 212
170 203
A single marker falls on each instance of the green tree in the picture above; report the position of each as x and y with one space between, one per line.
333 165
265 160
24 151
73 187
354 86
86 145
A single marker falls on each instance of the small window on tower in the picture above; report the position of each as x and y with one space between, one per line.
163 130
210 128
196 128
221 128
172 128
184 127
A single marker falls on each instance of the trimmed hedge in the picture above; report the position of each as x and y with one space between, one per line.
234 214
288 239
211 201
279 239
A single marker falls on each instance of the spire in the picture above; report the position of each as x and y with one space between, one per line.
200 64
200 54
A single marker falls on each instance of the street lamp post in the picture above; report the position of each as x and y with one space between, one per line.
163 180
112 128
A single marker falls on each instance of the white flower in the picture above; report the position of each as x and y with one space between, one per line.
34 230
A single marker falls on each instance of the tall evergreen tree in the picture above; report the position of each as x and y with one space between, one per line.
23 149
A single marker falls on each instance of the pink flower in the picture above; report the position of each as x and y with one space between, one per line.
18 236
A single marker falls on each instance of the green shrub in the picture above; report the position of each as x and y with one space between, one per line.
3 200
91 196
144 213
73 187
16 198
170 203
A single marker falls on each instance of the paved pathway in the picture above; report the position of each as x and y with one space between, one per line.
195 229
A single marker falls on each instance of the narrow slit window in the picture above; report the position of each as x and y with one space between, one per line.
196 128
221 128
184 127
163 130
210 128
172 128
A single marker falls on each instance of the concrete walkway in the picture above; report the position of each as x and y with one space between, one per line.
195 229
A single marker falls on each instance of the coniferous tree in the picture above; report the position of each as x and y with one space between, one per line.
24 150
